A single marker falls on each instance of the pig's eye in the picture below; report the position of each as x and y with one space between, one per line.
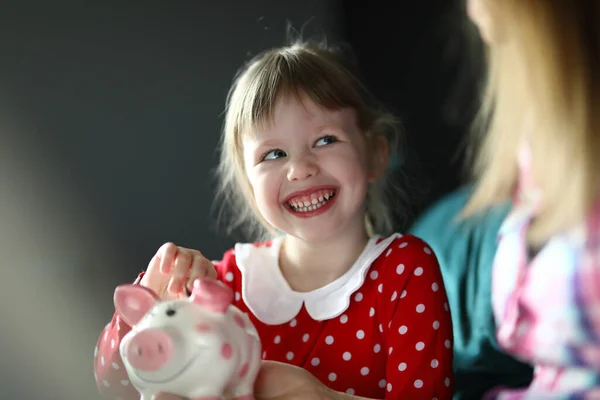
170 312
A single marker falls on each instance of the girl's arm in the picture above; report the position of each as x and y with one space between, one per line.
111 378
417 324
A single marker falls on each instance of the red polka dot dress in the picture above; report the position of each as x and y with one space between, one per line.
382 330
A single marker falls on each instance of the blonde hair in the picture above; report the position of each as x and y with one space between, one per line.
303 68
543 86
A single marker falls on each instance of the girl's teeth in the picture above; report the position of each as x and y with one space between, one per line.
312 204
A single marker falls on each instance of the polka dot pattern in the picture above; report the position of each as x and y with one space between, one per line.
419 325
392 341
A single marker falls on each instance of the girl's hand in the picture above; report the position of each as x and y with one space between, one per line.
173 269
280 381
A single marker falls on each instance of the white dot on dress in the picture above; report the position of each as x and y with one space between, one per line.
382 383
371 312
403 245
377 348
380 328
435 287
115 365
420 346
277 339
358 296
124 382
388 252
315 361
389 387
447 382
289 356
403 295
394 295
374 275
418 271
305 337
238 296
344 319
332 377
380 288
403 329
390 350
436 325
360 334
446 306
400 269
347 356
229 276
447 344
402 367
105 383
350 391
293 322
420 308
102 360
427 250
364 371
418 384
434 363
329 339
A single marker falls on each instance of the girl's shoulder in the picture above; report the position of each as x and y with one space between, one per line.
406 253
406 246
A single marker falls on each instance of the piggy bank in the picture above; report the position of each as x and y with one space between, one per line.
201 347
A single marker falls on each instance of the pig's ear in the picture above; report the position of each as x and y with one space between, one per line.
212 294
132 302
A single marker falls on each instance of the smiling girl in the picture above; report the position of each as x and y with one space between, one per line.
330 287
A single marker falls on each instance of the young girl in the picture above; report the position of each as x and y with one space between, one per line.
543 149
331 289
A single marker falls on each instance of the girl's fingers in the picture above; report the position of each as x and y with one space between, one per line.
167 254
201 268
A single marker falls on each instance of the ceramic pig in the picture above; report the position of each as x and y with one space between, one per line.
201 347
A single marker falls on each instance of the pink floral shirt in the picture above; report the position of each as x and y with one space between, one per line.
547 307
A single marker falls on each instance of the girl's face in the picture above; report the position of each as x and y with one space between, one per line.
309 170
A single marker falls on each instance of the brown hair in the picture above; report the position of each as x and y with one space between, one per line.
543 84
319 72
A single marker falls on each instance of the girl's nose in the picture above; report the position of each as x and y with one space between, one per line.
302 169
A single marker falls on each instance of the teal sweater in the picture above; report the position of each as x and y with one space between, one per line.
465 251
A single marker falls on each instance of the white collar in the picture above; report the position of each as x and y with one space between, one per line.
270 298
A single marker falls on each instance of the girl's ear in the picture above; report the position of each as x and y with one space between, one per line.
379 158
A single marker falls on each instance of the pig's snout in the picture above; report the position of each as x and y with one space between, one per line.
150 350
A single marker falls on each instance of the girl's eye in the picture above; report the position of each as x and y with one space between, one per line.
325 140
274 154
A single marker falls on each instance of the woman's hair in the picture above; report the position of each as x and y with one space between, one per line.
310 69
543 86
